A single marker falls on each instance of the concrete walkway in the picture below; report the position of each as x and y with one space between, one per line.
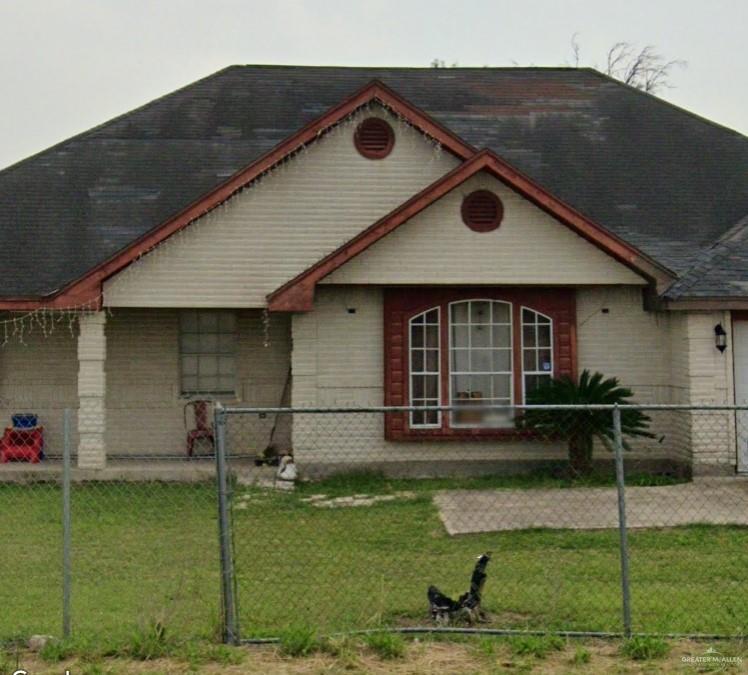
716 501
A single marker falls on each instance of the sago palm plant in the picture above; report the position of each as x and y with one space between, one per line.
580 428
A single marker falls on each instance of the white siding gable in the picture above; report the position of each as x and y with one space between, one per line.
269 233
529 247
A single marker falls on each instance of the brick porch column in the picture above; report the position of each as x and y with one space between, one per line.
91 391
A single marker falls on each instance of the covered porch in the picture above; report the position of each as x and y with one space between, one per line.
126 376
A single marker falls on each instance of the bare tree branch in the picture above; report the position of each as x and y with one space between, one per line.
645 69
575 50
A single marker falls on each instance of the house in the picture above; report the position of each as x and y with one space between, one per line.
373 236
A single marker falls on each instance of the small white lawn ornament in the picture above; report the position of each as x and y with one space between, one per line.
286 468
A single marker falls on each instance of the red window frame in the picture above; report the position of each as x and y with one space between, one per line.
401 304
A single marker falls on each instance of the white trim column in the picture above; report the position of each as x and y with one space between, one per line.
91 391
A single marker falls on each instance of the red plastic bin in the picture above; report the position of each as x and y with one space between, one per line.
22 445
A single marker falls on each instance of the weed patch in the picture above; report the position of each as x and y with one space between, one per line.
538 646
386 645
299 641
644 648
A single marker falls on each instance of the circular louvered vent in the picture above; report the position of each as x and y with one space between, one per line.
482 211
374 138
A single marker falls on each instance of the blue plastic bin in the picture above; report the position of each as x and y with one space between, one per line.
24 420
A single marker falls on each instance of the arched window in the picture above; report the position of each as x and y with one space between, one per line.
424 356
472 348
537 349
480 360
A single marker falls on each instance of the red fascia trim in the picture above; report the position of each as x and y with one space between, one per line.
87 289
298 294
86 294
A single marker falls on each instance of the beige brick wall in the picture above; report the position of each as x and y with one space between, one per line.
619 339
710 381
143 409
622 342
40 375
143 412
269 233
665 357
144 406
338 361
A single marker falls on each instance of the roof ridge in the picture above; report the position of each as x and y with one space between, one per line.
737 230
271 66
106 123
662 101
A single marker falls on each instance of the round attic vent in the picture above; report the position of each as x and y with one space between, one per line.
374 138
482 211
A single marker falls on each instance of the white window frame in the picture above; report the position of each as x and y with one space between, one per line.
546 373
186 392
438 372
451 373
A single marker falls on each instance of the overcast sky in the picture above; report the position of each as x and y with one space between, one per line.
68 65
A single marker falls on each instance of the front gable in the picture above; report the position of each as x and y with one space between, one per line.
529 247
298 294
264 236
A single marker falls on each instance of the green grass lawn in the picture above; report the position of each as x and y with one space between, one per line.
145 553
141 553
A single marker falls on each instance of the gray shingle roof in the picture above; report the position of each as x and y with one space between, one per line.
665 180
719 271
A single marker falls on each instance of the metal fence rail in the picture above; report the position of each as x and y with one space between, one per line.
339 519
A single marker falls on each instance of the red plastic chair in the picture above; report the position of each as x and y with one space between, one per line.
25 445
203 430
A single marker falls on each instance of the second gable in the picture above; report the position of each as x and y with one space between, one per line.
528 247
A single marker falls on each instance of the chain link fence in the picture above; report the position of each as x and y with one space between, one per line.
343 519
130 549
376 516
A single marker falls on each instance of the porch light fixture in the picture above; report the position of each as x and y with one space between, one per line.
720 338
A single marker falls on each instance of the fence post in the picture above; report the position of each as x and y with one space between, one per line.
228 600
622 530
66 525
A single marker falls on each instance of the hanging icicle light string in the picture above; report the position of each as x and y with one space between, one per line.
47 320
44 321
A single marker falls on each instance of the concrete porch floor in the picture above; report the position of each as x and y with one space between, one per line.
715 501
177 470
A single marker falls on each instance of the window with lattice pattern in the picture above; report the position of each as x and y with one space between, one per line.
207 349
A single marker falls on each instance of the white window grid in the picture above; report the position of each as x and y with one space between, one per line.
491 349
207 352
537 346
420 353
